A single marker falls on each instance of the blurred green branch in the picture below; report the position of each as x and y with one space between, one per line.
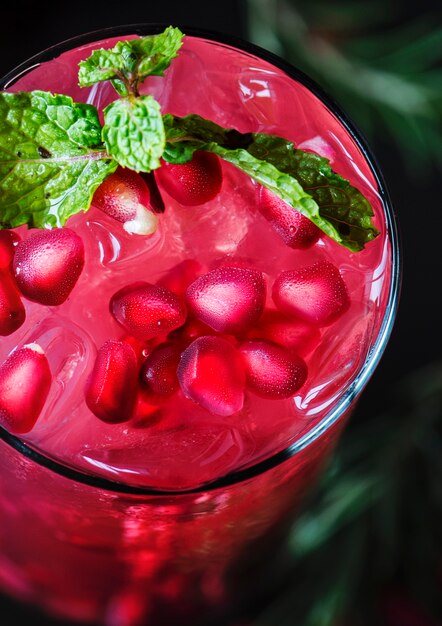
375 519
386 77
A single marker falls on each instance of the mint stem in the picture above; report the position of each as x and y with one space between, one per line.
92 156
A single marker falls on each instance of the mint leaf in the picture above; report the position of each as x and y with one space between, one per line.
102 65
130 62
302 179
51 158
155 53
340 204
180 152
184 135
134 133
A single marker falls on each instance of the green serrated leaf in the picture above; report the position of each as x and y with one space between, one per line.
134 133
340 204
302 179
180 152
130 62
156 52
51 158
103 65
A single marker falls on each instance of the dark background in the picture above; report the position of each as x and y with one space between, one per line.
30 27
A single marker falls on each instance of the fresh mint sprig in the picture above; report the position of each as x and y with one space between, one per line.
51 158
133 129
302 179
54 154
128 63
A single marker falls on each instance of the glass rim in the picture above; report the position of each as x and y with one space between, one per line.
375 353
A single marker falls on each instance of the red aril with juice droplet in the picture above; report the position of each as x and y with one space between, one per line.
159 370
272 371
111 389
12 311
25 380
211 373
228 299
48 264
125 196
146 311
316 293
192 183
296 230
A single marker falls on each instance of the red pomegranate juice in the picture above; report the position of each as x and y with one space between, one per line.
260 334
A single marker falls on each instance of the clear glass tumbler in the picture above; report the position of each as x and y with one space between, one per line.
88 547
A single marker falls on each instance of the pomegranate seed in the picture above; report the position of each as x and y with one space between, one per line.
111 389
316 294
272 371
140 348
192 183
25 380
125 196
211 373
12 311
147 411
48 264
296 230
191 330
179 277
8 242
288 332
158 372
146 311
228 299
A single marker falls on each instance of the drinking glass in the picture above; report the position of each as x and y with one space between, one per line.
82 545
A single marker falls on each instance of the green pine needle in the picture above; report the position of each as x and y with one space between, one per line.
375 518
385 77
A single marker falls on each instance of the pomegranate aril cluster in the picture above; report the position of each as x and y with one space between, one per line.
43 268
209 336
214 340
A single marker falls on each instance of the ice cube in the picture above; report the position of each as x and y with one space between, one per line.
68 349
184 455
